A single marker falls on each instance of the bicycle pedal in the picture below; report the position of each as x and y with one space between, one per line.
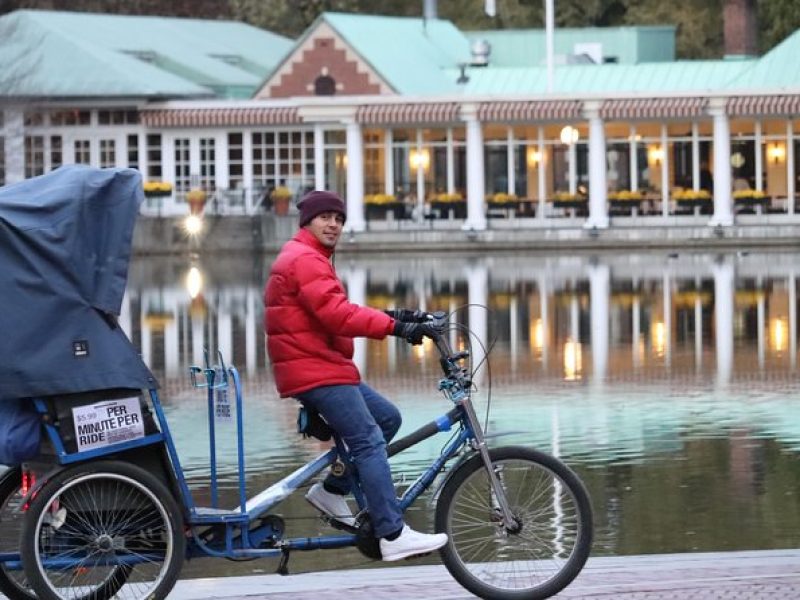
337 524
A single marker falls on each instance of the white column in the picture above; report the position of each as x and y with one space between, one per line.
356 280
478 294
598 206
319 157
247 165
451 162
476 189
789 168
125 321
723 314
510 171
355 178
572 159
759 166
723 201
664 172
633 150
695 157
222 177
146 337
14 138
599 289
540 174
388 163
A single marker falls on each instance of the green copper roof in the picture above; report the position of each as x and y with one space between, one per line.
68 54
625 45
777 69
652 78
409 53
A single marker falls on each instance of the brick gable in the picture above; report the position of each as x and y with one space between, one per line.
323 56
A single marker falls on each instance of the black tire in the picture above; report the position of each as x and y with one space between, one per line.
554 517
13 584
115 523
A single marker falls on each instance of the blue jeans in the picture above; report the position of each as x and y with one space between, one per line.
365 421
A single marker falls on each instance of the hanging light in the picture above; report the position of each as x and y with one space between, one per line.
419 159
569 135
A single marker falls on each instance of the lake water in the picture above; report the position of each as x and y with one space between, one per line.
668 381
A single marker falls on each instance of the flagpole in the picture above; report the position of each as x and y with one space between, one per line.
549 28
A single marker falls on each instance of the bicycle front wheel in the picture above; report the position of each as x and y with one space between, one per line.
542 553
103 529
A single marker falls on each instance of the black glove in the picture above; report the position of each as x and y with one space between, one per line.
407 316
414 332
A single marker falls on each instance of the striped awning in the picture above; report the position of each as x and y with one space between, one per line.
785 105
398 114
527 111
220 117
652 108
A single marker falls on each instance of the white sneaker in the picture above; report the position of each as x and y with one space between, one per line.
411 543
332 505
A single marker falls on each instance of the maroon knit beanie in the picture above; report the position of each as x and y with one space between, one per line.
317 202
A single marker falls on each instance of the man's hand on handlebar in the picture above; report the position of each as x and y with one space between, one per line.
408 316
415 332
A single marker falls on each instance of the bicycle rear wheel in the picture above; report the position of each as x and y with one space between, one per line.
103 529
12 583
546 549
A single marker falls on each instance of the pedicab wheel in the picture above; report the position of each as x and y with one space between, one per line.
546 547
13 584
103 529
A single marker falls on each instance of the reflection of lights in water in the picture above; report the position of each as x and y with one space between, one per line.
193 225
194 282
659 335
536 334
779 334
421 349
573 360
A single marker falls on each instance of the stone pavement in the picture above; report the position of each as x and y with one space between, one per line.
757 575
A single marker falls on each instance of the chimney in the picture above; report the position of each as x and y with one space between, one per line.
429 10
740 28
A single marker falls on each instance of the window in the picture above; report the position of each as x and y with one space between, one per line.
117 117
154 169
208 167
56 151
133 151
182 166
235 160
284 158
324 85
108 155
70 117
82 152
33 118
34 155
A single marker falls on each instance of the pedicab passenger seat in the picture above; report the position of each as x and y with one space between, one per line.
66 238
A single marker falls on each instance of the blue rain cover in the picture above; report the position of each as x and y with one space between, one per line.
65 242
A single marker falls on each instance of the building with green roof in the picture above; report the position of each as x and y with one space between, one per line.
413 120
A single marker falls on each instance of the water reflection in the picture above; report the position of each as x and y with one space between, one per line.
667 381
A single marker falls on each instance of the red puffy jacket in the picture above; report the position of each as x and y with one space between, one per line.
309 321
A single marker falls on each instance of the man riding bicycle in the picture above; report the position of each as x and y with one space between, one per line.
310 326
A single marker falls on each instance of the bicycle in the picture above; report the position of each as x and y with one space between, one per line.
119 519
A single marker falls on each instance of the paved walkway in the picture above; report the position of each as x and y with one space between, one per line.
773 574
